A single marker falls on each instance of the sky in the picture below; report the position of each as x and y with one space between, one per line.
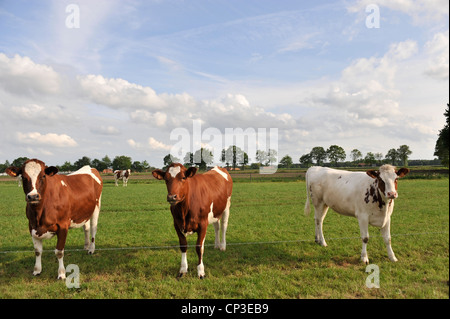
145 78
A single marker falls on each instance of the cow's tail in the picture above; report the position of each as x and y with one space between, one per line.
307 206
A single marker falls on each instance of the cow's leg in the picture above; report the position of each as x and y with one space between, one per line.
59 252
363 221
216 234
37 243
115 181
320 211
183 247
200 247
86 228
224 226
93 225
386 233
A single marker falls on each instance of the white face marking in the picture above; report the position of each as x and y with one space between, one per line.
173 171
216 169
33 170
63 184
87 170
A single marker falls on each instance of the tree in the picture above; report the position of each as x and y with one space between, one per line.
441 149
203 157
306 160
379 157
319 154
392 156
82 162
271 156
234 155
99 165
336 153
169 159
403 153
355 155
286 161
188 159
121 162
107 161
18 162
67 167
369 159
261 156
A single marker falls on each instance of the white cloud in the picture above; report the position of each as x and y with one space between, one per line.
105 130
20 75
157 145
438 57
50 139
119 93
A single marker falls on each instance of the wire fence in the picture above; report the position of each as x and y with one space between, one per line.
275 242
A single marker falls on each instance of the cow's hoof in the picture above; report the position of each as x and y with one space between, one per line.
180 275
201 276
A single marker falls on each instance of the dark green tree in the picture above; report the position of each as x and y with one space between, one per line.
441 149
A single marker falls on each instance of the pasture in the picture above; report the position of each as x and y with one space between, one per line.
270 253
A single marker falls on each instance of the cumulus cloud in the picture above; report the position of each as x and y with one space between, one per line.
50 139
20 75
437 50
119 93
157 145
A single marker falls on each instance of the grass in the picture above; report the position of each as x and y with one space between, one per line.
270 254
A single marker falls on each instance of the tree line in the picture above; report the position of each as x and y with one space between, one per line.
118 163
335 154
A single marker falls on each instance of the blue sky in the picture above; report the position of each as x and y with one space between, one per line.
134 71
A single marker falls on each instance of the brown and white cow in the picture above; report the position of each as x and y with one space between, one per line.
56 203
196 201
123 175
368 196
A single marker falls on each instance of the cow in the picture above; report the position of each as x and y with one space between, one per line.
197 200
368 196
56 203
123 175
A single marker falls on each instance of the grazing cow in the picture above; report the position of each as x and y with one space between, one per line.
368 196
56 203
196 201
122 174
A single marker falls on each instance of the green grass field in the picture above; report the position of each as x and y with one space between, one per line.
271 251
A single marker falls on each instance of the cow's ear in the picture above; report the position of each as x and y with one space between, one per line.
50 171
158 174
372 173
402 172
13 171
190 172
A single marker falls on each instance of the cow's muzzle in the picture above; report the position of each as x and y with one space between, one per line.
173 199
33 198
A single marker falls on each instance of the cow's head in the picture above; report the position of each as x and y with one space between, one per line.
34 178
176 177
387 178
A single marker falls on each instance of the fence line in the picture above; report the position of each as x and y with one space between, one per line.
228 244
